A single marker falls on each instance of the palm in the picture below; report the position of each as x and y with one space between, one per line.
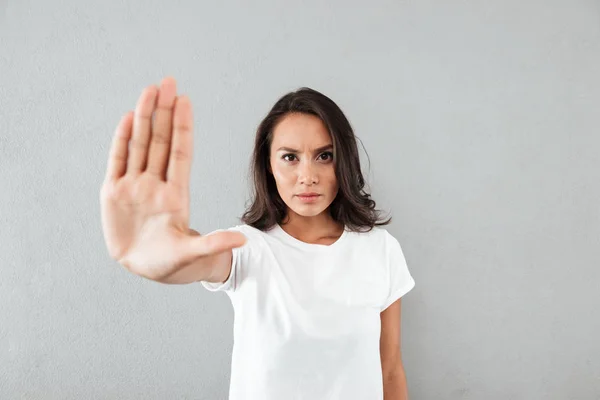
148 217
145 194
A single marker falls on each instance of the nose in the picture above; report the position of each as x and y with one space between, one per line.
307 174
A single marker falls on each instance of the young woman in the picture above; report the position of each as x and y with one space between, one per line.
314 279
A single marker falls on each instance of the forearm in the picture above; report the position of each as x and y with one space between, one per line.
394 385
201 269
205 268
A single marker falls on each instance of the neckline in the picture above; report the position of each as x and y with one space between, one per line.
308 246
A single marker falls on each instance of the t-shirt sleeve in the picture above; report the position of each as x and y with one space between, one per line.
236 264
400 279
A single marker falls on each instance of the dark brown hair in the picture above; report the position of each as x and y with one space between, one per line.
352 206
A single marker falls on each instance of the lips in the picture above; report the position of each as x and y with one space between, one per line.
308 194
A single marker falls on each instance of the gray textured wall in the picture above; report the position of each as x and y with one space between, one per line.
481 122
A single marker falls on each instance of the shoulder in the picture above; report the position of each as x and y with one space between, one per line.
377 234
376 241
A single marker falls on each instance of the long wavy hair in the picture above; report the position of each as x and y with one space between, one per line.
352 206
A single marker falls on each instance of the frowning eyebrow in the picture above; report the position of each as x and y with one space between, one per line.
320 149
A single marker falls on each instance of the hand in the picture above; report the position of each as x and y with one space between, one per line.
145 194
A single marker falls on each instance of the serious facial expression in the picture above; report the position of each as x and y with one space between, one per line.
301 161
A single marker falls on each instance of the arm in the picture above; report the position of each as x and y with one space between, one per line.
144 199
394 378
214 268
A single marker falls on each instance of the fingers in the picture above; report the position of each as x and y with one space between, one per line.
117 159
180 158
142 122
162 145
161 129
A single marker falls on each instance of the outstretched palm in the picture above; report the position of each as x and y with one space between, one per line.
145 195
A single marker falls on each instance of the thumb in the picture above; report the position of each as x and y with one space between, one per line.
215 242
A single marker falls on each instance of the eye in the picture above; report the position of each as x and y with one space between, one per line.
329 154
288 155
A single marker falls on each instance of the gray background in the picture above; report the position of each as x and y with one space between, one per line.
481 123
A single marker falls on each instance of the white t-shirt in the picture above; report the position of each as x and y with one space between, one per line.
307 316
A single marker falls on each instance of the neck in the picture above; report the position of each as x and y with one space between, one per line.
314 229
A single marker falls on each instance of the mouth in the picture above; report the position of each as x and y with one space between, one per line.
308 197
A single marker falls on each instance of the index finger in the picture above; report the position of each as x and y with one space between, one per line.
117 158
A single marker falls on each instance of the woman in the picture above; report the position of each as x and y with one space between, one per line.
314 279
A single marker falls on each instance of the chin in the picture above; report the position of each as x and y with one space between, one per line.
308 210
308 213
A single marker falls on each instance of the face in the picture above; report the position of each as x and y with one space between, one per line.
301 161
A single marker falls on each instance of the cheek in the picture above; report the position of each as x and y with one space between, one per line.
331 178
282 177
